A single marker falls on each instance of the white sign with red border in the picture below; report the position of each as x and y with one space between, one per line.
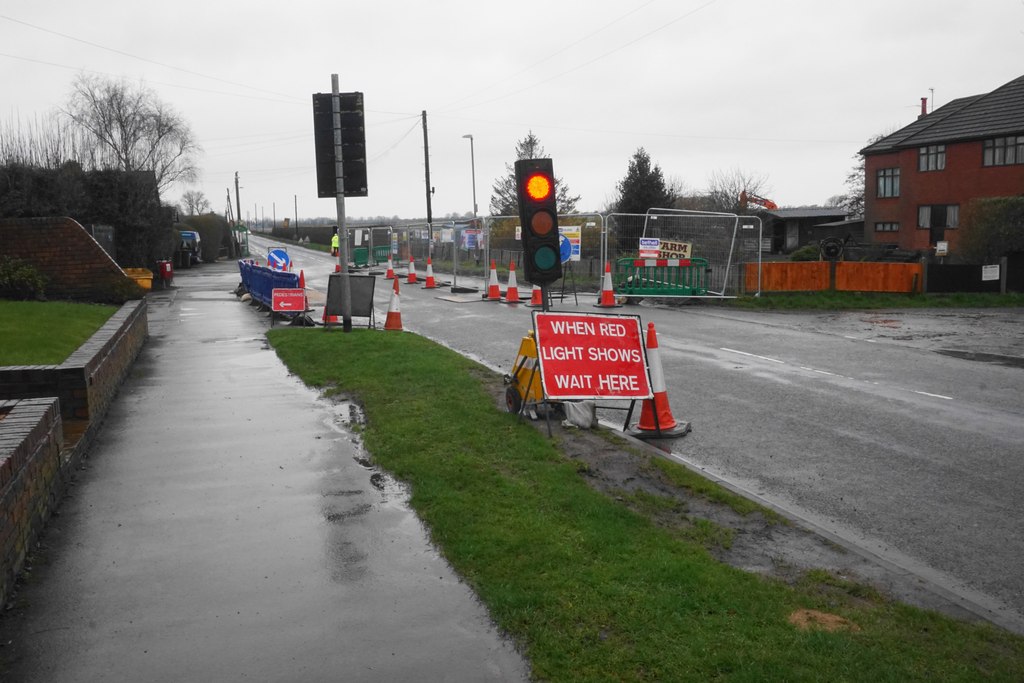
591 356
650 247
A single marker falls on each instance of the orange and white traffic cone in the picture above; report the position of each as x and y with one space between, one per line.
412 272
493 289
390 275
656 420
536 298
337 267
512 291
607 298
302 286
430 282
328 319
394 319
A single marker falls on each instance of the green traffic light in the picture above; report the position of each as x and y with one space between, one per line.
545 258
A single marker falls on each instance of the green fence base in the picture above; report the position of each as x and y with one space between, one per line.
661 277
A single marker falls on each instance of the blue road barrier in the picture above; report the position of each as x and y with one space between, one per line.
261 281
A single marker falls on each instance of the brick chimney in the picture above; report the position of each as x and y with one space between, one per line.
924 108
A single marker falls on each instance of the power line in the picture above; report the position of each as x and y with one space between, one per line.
596 58
552 55
142 59
633 133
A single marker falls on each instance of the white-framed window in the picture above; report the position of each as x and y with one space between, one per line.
931 158
887 227
888 182
1005 151
938 216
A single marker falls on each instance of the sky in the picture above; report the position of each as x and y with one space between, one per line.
785 90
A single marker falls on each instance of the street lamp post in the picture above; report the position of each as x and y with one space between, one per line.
472 166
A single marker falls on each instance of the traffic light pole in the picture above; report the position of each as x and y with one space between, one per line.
339 175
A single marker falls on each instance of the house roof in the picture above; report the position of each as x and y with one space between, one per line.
808 213
1000 112
850 223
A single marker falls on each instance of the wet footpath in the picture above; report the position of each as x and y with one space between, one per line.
227 526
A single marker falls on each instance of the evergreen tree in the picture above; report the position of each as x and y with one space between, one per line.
643 187
505 202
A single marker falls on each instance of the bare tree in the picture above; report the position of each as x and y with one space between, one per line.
724 188
44 143
128 128
853 200
194 202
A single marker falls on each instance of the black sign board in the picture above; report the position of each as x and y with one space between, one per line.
353 144
360 291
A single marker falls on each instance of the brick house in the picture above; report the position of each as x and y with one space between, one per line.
920 178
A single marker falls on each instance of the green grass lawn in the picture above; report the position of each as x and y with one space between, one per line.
829 301
590 590
46 332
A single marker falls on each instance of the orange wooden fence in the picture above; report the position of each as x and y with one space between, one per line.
816 276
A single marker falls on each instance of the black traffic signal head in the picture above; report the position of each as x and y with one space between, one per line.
535 189
353 144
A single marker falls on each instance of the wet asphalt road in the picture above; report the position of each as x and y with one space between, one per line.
227 527
899 432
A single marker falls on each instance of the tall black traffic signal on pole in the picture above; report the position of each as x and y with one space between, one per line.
535 189
353 144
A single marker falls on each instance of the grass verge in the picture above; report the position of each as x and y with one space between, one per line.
46 333
829 301
589 589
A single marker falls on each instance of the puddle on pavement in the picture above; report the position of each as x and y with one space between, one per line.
342 515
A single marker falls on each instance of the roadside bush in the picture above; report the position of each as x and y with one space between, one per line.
805 253
992 227
214 233
20 280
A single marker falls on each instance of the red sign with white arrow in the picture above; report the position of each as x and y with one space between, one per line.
288 300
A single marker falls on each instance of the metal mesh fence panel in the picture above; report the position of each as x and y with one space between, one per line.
725 241
584 231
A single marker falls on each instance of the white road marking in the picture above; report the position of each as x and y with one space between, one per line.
827 373
754 355
925 393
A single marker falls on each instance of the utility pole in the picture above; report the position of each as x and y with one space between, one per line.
238 201
430 190
296 198
339 194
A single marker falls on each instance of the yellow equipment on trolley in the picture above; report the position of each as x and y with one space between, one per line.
525 389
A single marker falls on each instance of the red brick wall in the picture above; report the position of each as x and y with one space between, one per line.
35 404
76 265
88 380
963 179
31 480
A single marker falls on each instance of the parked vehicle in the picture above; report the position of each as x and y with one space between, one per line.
189 250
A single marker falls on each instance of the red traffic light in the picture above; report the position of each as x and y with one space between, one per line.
538 187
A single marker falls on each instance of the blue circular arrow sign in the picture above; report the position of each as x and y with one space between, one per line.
564 248
278 259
